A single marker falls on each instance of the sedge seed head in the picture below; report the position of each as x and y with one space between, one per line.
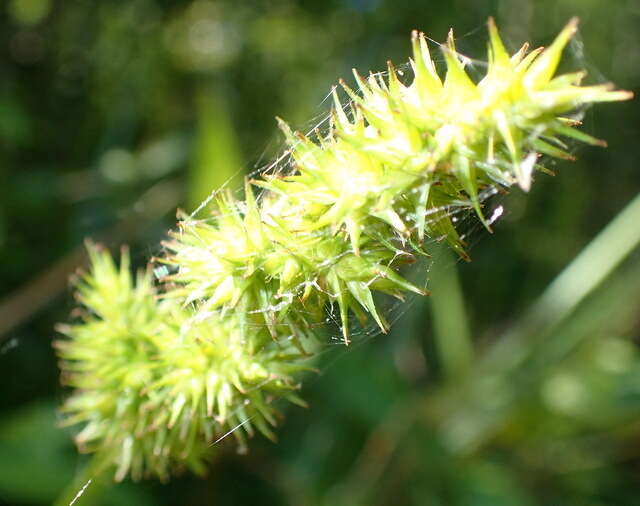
159 372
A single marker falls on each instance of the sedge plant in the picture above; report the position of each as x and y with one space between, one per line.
161 369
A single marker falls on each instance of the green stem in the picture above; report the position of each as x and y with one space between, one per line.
470 411
450 328
579 279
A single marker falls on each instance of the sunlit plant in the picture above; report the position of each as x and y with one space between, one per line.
162 370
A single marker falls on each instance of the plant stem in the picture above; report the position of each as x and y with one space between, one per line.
579 279
450 327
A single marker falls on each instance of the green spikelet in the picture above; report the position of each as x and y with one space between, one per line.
159 373
154 385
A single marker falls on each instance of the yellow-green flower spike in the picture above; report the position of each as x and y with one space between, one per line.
160 372
154 386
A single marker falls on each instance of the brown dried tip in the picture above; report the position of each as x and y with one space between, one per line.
521 53
572 26
451 40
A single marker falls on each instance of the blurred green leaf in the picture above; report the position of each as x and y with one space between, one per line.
217 155
37 459
450 327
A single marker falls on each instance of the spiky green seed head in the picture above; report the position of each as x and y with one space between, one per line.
154 386
159 372
385 176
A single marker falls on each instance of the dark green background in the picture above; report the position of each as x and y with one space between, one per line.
114 113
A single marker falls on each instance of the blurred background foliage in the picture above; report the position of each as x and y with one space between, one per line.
504 388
